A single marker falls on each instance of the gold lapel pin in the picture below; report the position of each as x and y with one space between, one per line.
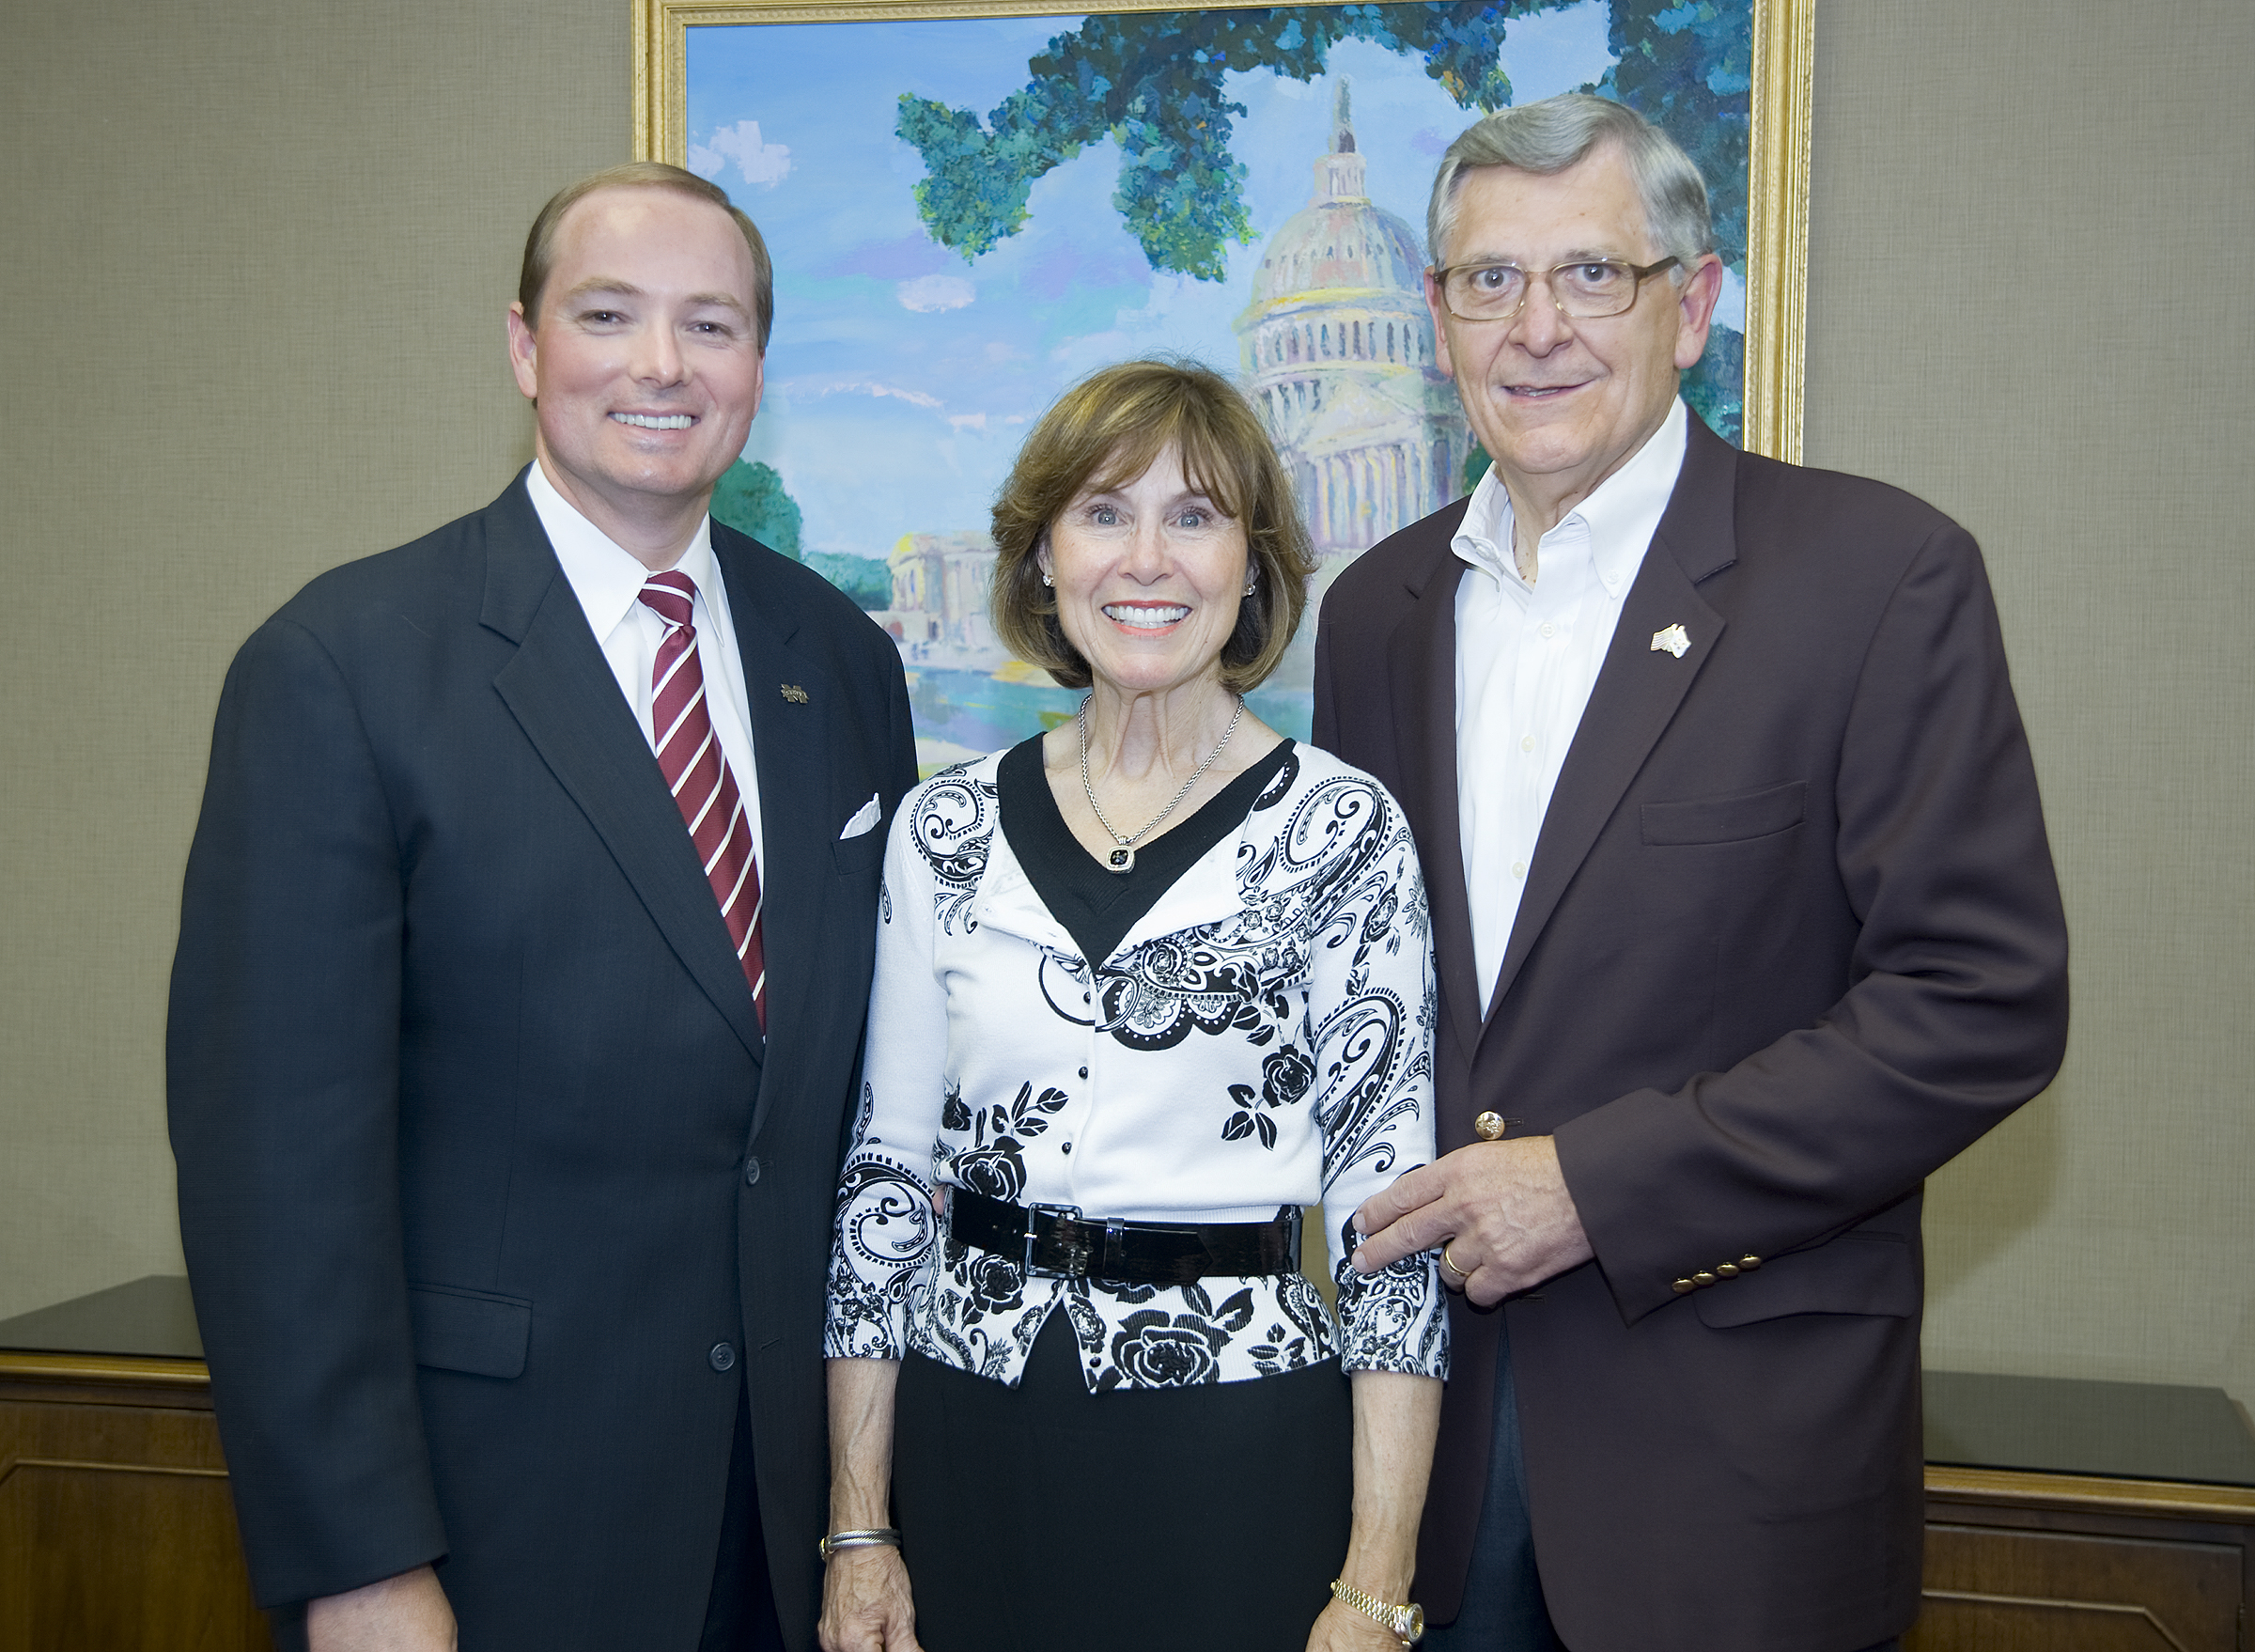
794 693
1671 641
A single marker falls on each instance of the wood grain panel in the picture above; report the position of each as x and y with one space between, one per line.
116 1529
1990 1589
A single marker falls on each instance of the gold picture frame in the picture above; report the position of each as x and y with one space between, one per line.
1777 259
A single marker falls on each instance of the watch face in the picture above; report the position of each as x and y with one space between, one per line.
1409 1623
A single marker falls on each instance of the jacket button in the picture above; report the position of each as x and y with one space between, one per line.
752 1171
1703 1278
1750 1263
1726 1270
723 1357
1489 1126
1680 1286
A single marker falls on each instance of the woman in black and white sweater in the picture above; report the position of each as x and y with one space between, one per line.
1146 986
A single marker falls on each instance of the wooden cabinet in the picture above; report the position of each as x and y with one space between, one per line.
2061 1517
115 1526
116 1529
2019 1559
2053 1563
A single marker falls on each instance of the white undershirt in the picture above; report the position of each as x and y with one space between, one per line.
608 582
1527 658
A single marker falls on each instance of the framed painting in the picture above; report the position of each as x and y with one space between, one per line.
972 203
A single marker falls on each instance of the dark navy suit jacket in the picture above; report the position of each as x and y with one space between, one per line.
1788 941
492 1190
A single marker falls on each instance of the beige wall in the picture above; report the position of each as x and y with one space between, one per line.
2032 305
259 253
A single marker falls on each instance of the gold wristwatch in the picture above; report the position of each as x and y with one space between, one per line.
1408 1622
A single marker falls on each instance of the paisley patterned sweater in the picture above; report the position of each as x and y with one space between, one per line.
1260 1038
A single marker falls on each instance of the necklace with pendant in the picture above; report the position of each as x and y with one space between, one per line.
1122 859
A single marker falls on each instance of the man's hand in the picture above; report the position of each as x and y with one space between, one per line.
405 1614
1502 1208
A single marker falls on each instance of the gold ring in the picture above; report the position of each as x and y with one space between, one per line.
1450 1263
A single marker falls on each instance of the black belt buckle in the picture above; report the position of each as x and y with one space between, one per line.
1070 1232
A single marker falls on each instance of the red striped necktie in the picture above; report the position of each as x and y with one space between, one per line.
690 758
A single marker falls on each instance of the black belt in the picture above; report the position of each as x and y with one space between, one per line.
1056 1241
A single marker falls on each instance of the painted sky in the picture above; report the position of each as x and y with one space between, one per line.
901 377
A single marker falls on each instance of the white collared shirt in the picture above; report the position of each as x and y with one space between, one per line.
1527 658
607 581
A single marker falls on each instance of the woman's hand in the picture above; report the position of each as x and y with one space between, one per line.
1341 1629
1396 1418
866 1603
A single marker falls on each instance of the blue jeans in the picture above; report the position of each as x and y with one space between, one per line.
1504 1610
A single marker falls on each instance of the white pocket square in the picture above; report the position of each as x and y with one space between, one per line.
864 820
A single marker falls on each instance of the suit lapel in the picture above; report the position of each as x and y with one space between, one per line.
1637 688
560 689
1422 662
791 740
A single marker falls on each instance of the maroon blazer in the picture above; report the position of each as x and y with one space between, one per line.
1789 940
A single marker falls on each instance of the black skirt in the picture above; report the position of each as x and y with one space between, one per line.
1045 1518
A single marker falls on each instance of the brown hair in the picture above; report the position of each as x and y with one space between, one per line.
540 245
1105 432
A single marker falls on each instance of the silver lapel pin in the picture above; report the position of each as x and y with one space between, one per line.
797 695
1670 641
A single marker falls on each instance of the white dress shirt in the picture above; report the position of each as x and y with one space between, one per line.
1527 658
1260 1038
607 581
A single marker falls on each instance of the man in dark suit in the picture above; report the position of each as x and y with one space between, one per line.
523 958
1744 923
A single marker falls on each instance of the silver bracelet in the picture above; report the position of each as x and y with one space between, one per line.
870 1537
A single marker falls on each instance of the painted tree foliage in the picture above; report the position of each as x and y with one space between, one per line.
1689 70
1153 81
751 498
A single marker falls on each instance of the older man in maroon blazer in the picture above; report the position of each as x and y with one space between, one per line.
1745 920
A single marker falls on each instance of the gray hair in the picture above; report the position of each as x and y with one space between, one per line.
1550 136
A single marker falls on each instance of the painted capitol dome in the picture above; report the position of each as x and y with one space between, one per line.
1337 351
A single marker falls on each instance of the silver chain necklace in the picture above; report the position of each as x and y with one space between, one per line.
1122 859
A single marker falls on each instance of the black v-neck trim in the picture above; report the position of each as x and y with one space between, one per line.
1095 905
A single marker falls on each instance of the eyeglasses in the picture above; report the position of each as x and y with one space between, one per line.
1587 289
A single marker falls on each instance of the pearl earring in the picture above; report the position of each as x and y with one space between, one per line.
1046 579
